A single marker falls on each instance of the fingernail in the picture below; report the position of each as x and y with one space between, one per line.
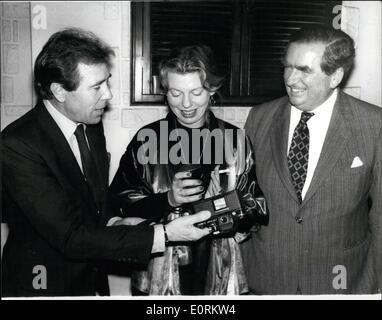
188 174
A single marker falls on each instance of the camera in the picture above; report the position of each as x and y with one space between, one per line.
229 213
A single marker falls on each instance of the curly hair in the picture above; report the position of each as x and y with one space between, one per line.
195 58
339 51
60 56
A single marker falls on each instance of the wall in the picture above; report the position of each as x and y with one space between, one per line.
16 63
363 21
25 27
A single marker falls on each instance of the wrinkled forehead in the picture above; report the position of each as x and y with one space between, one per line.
305 52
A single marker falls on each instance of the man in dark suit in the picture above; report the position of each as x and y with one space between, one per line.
319 164
55 177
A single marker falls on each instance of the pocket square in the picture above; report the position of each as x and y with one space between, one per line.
357 162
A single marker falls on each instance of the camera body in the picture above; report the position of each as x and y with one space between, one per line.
226 212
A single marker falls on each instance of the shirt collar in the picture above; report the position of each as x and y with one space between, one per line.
66 125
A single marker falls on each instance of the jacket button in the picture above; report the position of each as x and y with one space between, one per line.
299 219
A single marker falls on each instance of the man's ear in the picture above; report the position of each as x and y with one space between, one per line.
336 78
58 91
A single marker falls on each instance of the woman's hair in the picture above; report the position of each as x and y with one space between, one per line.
339 51
196 58
60 56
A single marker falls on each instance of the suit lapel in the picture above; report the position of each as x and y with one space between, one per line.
335 142
64 157
279 145
61 158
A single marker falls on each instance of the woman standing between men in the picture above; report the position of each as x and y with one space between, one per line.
143 183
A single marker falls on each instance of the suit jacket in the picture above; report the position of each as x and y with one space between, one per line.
334 238
57 233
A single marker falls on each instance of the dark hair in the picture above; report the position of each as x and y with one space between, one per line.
196 58
60 56
339 51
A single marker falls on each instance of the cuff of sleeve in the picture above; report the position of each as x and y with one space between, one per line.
112 221
159 239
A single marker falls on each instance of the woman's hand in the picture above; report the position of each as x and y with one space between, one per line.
184 190
214 187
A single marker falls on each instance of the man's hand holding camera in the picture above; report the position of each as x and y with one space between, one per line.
183 229
178 230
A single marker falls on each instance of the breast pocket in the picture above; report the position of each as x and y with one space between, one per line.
350 165
348 171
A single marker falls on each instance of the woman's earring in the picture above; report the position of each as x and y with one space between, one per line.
212 101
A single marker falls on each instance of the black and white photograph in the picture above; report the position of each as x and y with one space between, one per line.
211 152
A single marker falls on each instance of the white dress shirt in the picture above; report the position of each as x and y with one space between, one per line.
68 127
318 126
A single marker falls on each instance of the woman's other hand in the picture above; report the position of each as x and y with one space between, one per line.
184 190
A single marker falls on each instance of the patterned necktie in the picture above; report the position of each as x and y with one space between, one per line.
298 155
88 165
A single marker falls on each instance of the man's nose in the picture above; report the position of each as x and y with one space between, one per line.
186 101
107 95
292 77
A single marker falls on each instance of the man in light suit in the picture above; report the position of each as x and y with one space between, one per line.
319 164
55 177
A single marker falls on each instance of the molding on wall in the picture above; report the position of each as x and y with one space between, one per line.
15 61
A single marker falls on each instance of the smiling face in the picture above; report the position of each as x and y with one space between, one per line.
187 98
306 84
87 103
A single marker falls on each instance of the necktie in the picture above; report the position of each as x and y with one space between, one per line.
298 155
88 165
